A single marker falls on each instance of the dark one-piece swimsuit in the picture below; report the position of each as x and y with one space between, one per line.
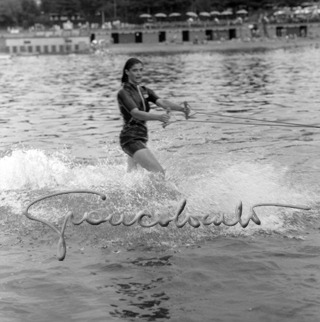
134 134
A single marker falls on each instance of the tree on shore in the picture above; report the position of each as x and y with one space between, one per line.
27 12
90 8
9 12
14 13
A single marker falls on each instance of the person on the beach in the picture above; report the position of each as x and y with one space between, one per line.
133 101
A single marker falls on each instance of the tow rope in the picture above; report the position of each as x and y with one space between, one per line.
189 118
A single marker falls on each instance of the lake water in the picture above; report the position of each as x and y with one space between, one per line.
59 126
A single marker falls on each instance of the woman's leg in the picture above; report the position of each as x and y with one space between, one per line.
147 160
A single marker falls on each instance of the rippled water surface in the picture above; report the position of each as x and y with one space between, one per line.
59 127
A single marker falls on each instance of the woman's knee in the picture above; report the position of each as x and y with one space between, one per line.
148 161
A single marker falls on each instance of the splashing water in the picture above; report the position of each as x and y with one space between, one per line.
29 174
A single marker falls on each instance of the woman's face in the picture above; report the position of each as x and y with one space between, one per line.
135 74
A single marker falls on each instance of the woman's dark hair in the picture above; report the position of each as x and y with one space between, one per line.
130 62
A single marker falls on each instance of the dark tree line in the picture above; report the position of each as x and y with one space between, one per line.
26 12
18 13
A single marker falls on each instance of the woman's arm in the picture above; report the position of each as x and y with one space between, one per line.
145 116
168 104
129 104
173 106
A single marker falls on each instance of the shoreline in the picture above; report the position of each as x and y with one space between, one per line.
216 46
186 47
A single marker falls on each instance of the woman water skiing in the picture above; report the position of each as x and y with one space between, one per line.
133 101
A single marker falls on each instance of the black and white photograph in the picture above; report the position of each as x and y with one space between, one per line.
159 161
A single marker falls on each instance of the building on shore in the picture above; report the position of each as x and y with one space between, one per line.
88 40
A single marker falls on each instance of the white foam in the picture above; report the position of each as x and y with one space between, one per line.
218 189
221 190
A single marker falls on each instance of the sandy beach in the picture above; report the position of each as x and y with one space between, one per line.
217 46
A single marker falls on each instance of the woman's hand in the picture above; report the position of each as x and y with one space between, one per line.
186 110
164 118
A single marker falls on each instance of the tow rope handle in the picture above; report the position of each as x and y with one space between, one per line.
164 125
186 106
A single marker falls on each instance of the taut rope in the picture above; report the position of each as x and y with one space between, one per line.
262 122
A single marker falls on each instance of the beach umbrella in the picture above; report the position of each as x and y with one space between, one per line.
226 13
145 15
192 14
307 10
298 11
160 15
242 12
174 14
301 11
215 13
204 14
282 12
279 13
